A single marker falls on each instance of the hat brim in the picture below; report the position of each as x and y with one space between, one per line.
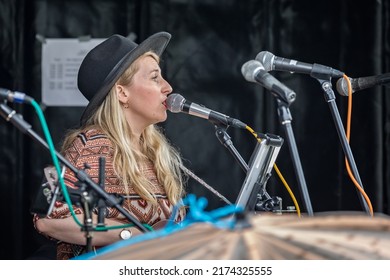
155 43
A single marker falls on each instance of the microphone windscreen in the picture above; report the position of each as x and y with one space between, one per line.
266 58
342 87
250 68
175 102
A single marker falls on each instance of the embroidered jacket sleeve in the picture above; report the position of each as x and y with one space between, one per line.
85 150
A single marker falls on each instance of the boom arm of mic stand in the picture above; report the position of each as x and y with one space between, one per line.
10 115
326 86
225 139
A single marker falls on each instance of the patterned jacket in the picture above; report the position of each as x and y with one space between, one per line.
88 148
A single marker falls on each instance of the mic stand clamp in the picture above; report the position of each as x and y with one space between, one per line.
269 204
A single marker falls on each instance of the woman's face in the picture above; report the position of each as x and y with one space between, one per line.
147 94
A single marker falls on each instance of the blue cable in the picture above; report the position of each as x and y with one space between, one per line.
196 214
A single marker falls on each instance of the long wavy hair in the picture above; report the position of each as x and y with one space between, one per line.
110 119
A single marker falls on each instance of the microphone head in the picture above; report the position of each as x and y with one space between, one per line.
267 59
175 102
250 68
342 87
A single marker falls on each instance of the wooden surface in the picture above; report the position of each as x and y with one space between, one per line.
272 237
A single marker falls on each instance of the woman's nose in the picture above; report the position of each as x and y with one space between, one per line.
166 89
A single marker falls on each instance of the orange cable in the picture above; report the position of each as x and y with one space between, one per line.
348 133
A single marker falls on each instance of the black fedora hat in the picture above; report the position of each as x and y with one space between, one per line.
106 62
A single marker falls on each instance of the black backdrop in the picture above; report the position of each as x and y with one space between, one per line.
211 40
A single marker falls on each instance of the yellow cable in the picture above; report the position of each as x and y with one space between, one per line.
288 189
348 132
279 174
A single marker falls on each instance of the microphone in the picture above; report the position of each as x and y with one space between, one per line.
14 96
272 62
177 103
362 83
253 71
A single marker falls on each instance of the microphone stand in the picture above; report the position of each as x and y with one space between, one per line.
84 180
330 97
285 119
101 204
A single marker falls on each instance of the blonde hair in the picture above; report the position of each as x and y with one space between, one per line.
110 119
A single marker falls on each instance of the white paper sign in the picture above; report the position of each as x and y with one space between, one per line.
61 59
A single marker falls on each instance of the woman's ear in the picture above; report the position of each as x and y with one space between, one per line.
122 93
